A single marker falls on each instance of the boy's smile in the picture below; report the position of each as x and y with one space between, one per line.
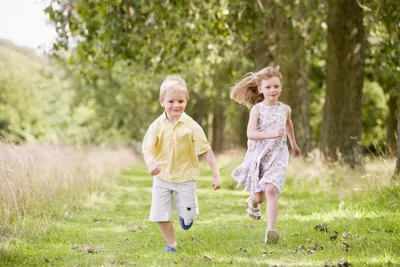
174 103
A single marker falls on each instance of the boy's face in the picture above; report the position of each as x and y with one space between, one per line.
174 103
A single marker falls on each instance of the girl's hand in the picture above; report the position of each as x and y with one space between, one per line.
296 150
216 182
278 133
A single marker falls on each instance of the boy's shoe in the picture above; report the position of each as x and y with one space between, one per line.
183 225
169 249
271 236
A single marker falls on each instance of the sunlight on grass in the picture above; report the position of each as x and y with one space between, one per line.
114 222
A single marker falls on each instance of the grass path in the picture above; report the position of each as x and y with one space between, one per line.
112 229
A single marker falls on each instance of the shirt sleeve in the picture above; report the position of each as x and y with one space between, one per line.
150 139
201 143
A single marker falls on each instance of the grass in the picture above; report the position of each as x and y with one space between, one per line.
357 213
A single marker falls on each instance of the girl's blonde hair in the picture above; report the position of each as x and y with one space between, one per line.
246 91
173 82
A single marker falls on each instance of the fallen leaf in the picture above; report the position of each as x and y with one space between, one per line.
322 227
334 235
343 263
207 257
345 246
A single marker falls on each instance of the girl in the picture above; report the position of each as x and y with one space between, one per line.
263 171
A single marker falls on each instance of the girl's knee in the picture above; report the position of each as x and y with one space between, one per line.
271 190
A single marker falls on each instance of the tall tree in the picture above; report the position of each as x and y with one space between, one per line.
341 125
396 175
290 30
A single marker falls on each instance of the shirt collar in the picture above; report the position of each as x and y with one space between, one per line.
184 118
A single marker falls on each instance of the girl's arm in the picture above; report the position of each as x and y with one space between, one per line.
290 132
210 158
253 133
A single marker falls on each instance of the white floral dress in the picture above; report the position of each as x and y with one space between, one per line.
266 160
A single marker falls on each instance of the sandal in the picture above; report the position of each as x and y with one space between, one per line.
254 213
271 236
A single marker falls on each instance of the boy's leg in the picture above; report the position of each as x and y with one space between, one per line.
161 209
167 230
186 203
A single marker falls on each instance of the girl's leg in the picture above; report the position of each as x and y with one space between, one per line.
254 202
258 198
167 230
272 205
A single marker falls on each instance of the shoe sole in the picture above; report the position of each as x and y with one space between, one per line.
271 237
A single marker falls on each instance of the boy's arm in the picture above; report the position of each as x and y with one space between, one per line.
290 133
149 142
151 165
253 133
210 158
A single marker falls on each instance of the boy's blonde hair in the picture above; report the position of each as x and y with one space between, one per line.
246 91
173 82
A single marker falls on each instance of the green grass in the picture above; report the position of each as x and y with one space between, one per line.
112 228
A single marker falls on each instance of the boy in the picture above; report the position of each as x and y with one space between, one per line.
170 149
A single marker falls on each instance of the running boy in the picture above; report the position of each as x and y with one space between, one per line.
170 149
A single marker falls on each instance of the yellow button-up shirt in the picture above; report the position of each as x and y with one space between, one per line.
175 148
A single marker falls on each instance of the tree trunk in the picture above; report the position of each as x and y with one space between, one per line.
341 125
218 128
291 56
391 124
282 45
396 175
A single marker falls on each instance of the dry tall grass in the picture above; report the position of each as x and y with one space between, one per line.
375 173
35 177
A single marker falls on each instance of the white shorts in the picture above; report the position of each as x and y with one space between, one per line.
185 201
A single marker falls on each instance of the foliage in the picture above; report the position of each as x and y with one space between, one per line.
374 102
113 55
30 96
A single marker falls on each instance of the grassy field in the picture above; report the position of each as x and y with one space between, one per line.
329 216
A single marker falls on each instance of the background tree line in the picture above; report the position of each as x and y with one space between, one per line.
339 59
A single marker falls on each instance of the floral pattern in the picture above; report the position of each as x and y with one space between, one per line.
266 160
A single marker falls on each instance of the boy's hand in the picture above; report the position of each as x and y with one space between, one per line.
216 182
154 169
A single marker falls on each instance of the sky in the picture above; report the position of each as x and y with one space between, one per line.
24 23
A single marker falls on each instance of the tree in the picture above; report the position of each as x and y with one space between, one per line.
341 125
396 175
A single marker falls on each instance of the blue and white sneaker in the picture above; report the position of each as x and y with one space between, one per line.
183 225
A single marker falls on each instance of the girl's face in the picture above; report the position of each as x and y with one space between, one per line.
271 89
174 103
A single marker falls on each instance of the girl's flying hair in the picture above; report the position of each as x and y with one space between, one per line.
246 91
